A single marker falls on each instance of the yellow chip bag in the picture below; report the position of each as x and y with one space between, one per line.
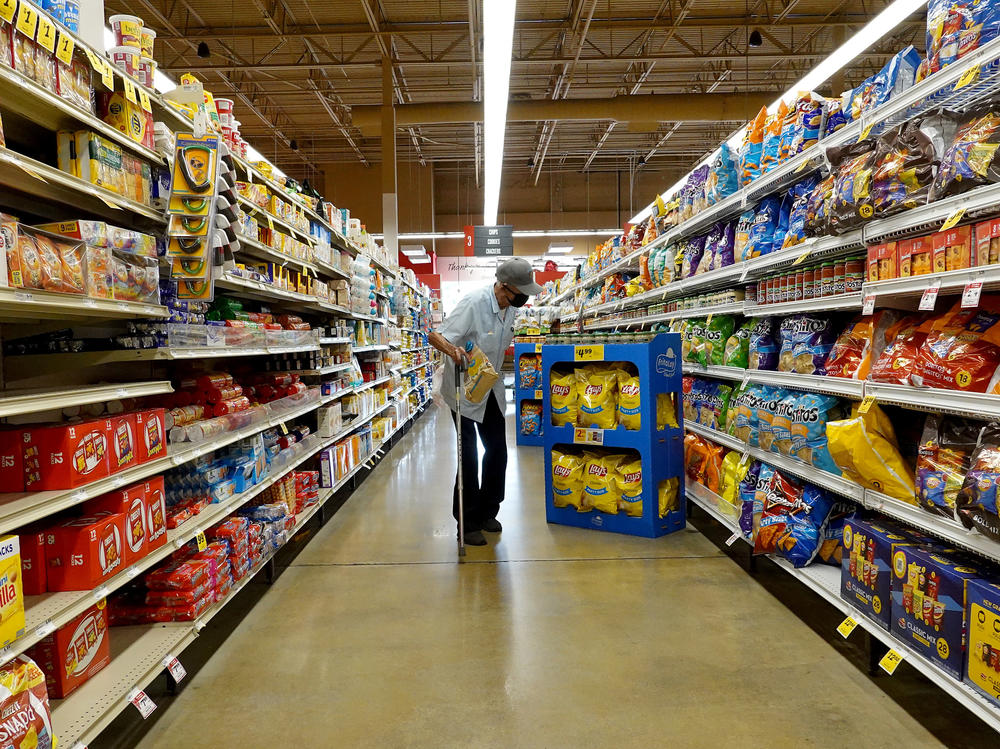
733 472
666 411
669 500
595 387
600 491
562 389
629 478
628 400
864 447
567 480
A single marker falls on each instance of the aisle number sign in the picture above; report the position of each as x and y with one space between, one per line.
890 661
847 626
583 436
588 353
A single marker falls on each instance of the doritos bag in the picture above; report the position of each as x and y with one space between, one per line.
562 387
629 478
600 489
861 343
864 446
943 456
962 350
899 358
629 399
567 480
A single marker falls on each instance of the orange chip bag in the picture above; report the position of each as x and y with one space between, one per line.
861 343
962 350
899 357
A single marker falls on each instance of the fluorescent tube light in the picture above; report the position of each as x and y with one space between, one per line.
413 249
498 43
893 15
560 248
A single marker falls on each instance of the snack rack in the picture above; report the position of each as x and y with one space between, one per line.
661 450
527 394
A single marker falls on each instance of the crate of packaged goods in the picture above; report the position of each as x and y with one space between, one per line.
75 652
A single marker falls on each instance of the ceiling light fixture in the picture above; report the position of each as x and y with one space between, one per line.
420 260
755 39
523 233
413 249
498 45
560 248
893 15
203 50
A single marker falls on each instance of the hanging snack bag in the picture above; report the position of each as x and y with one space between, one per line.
596 388
694 338
970 159
530 371
781 422
741 237
763 347
962 350
737 350
722 180
563 392
977 500
752 149
717 332
795 233
747 425
567 480
861 343
725 247
813 411
943 456
770 397
810 116
531 417
865 448
600 489
899 358
906 162
818 208
765 221
629 399
734 468
719 405
771 151
745 496
629 479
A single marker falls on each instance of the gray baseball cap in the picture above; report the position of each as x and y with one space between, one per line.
517 272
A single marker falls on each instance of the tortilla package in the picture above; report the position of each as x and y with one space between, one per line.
861 343
806 342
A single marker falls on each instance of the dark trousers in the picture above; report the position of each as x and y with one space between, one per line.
482 498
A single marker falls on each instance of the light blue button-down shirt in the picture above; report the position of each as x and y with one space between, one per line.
478 318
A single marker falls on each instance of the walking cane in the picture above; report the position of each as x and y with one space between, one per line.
459 370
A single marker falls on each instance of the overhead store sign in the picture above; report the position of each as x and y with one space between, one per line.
489 241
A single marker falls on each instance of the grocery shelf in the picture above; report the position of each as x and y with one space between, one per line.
257 176
326 306
333 270
976 203
322 370
415 348
372 347
712 370
953 281
373 383
15 402
259 250
334 341
402 371
973 405
97 358
273 222
819 304
377 263
264 292
842 386
811 250
29 304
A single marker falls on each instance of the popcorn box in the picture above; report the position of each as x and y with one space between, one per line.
150 439
156 513
81 553
75 652
928 603
32 545
915 257
130 503
866 566
66 456
123 443
11 593
952 249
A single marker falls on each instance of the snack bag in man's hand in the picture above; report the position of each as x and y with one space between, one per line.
480 377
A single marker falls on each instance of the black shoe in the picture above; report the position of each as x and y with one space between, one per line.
475 538
492 526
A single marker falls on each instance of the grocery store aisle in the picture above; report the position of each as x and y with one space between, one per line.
549 637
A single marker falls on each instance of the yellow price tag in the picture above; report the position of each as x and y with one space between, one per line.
107 76
588 353
108 203
866 131
801 167
27 20
46 36
866 404
802 257
65 47
890 661
538 395
144 101
202 541
7 10
847 626
284 428
270 222
30 172
708 320
538 348
582 436
969 76
953 219
130 90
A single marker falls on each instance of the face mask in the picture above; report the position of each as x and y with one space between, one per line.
519 300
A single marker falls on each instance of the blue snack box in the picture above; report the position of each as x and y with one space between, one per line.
866 566
982 671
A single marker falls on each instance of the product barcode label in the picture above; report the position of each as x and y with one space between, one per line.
175 668
142 702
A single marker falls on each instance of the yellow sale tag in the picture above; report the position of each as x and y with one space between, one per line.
969 76
7 10
202 542
130 90
107 76
866 132
890 661
46 36
538 395
953 219
802 257
30 172
802 166
847 626
866 404
64 50
108 203
144 101
582 436
284 429
708 320
27 20
588 353
538 348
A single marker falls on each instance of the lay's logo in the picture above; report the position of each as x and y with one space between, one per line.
562 390
561 471
596 469
594 389
630 389
633 478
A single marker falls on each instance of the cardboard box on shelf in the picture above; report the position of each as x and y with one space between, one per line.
11 591
75 652
156 513
67 455
866 566
151 433
11 460
32 544
123 449
81 553
130 504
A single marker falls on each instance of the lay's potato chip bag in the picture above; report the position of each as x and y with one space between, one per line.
666 411
629 478
596 389
667 496
562 390
567 480
600 489
628 399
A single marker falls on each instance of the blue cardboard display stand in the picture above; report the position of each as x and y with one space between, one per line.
530 394
658 363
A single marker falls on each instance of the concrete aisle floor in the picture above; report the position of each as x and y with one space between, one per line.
549 637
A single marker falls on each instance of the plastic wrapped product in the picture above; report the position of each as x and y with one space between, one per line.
600 489
962 349
628 476
970 160
531 417
766 408
737 349
809 419
851 203
741 236
907 160
836 118
771 150
977 499
724 253
861 343
810 117
943 456
818 208
865 448
806 341
567 479
781 423
747 416
597 388
899 358
668 496
722 180
763 347
694 248
751 151
629 405
711 347
24 701
764 224
795 232
563 392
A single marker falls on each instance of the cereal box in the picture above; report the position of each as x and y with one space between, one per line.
865 572
81 553
928 603
66 456
11 593
74 652
982 670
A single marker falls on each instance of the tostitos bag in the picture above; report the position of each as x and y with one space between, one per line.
865 448
629 479
562 390
629 400
596 389
600 489
567 480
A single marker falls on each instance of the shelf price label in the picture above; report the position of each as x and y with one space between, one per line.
865 133
202 542
929 297
847 626
46 36
27 20
144 101
583 436
970 295
142 702
177 671
130 90
801 258
538 395
588 353
952 219
866 404
8 8
969 76
538 348
868 307
890 661
733 538
64 48
107 75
